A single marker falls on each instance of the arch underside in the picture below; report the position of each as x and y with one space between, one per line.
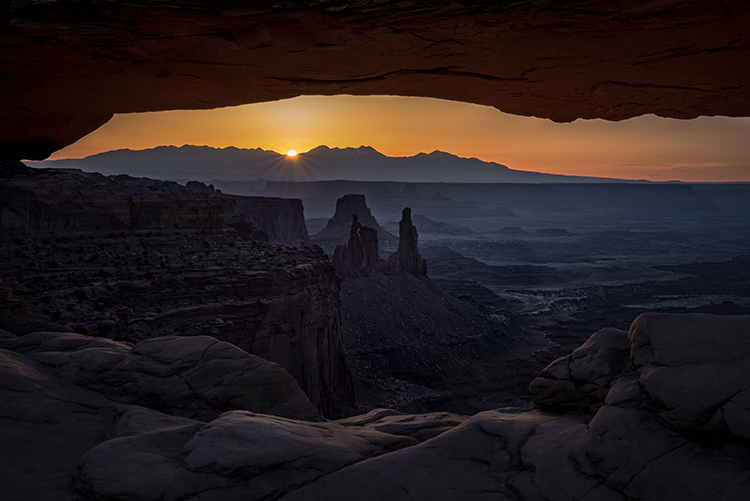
68 66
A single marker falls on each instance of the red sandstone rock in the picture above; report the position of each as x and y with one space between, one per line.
68 65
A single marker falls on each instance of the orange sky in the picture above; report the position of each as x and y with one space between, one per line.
705 149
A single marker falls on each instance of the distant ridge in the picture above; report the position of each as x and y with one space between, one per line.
204 163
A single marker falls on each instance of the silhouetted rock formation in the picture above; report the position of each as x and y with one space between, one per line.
338 229
58 200
407 257
359 256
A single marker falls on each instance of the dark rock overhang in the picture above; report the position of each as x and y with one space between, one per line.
68 65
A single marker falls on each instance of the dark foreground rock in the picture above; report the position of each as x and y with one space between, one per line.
672 426
197 377
79 420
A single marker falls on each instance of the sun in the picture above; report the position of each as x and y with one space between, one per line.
291 153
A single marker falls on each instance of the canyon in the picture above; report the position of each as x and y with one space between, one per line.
132 259
133 311
173 352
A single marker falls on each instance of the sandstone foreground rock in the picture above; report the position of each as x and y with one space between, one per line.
672 426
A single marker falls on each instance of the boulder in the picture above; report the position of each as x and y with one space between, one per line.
582 379
695 368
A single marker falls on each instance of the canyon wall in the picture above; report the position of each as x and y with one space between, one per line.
282 219
62 200
173 264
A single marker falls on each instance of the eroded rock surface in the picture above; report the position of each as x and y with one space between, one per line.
78 422
62 441
637 445
39 200
240 455
339 227
73 63
197 377
582 379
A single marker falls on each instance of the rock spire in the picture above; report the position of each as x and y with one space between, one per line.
407 257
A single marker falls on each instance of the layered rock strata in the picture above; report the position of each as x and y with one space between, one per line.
73 63
277 302
40 200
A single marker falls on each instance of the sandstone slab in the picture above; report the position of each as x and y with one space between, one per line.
197 377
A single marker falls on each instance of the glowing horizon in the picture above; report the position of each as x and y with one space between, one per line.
648 147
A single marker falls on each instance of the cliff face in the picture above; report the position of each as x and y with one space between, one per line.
282 219
359 256
276 302
191 277
57 200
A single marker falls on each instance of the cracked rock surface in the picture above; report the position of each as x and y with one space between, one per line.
676 435
637 445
